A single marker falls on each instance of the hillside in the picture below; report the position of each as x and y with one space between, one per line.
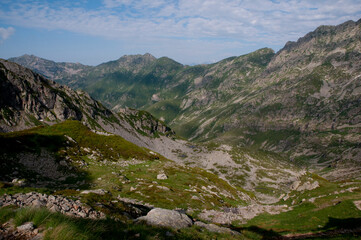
130 81
50 69
265 145
301 102
28 99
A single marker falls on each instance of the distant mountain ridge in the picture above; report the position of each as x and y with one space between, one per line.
27 100
50 69
299 101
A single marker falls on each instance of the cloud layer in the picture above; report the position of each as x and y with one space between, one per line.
213 23
5 33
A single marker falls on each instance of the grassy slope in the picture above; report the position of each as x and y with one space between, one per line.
61 227
114 164
333 210
325 209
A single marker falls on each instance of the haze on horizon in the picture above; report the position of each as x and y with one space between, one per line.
188 31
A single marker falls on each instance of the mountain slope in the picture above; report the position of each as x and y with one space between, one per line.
34 99
50 69
27 99
302 102
130 81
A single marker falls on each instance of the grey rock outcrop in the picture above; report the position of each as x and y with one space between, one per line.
26 227
53 203
145 122
97 191
162 176
167 218
27 99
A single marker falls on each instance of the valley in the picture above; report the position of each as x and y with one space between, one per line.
260 146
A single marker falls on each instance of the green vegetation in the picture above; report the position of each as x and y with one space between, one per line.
111 163
283 114
58 227
110 147
330 211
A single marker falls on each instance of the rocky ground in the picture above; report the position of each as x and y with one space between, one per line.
53 203
175 219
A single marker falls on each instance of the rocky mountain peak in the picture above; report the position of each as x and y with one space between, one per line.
321 32
28 99
136 59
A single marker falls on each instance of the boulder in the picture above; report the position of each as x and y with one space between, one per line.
162 176
29 226
167 218
37 203
97 191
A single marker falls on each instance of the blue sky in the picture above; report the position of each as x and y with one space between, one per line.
188 31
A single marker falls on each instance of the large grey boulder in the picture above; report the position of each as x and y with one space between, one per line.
167 218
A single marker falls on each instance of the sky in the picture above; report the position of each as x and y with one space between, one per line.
188 31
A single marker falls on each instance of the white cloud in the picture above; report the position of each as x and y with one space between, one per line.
244 21
115 3
5 33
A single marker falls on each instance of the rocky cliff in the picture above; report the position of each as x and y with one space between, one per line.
27 99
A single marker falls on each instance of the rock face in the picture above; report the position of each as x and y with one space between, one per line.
145 122
50 69
167 218
27 99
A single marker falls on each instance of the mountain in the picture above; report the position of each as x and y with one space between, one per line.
130 81
301 102
274 148
30 100
27 100
50 69
77 155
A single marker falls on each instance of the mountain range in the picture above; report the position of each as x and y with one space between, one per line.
263 133
297 102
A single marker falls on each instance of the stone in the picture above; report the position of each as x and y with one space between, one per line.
166 218
214 228
163 188
162 176
54 208
29 226
194 197
37 203
53 203
82 214
63 163
169 234
65 208
97 191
